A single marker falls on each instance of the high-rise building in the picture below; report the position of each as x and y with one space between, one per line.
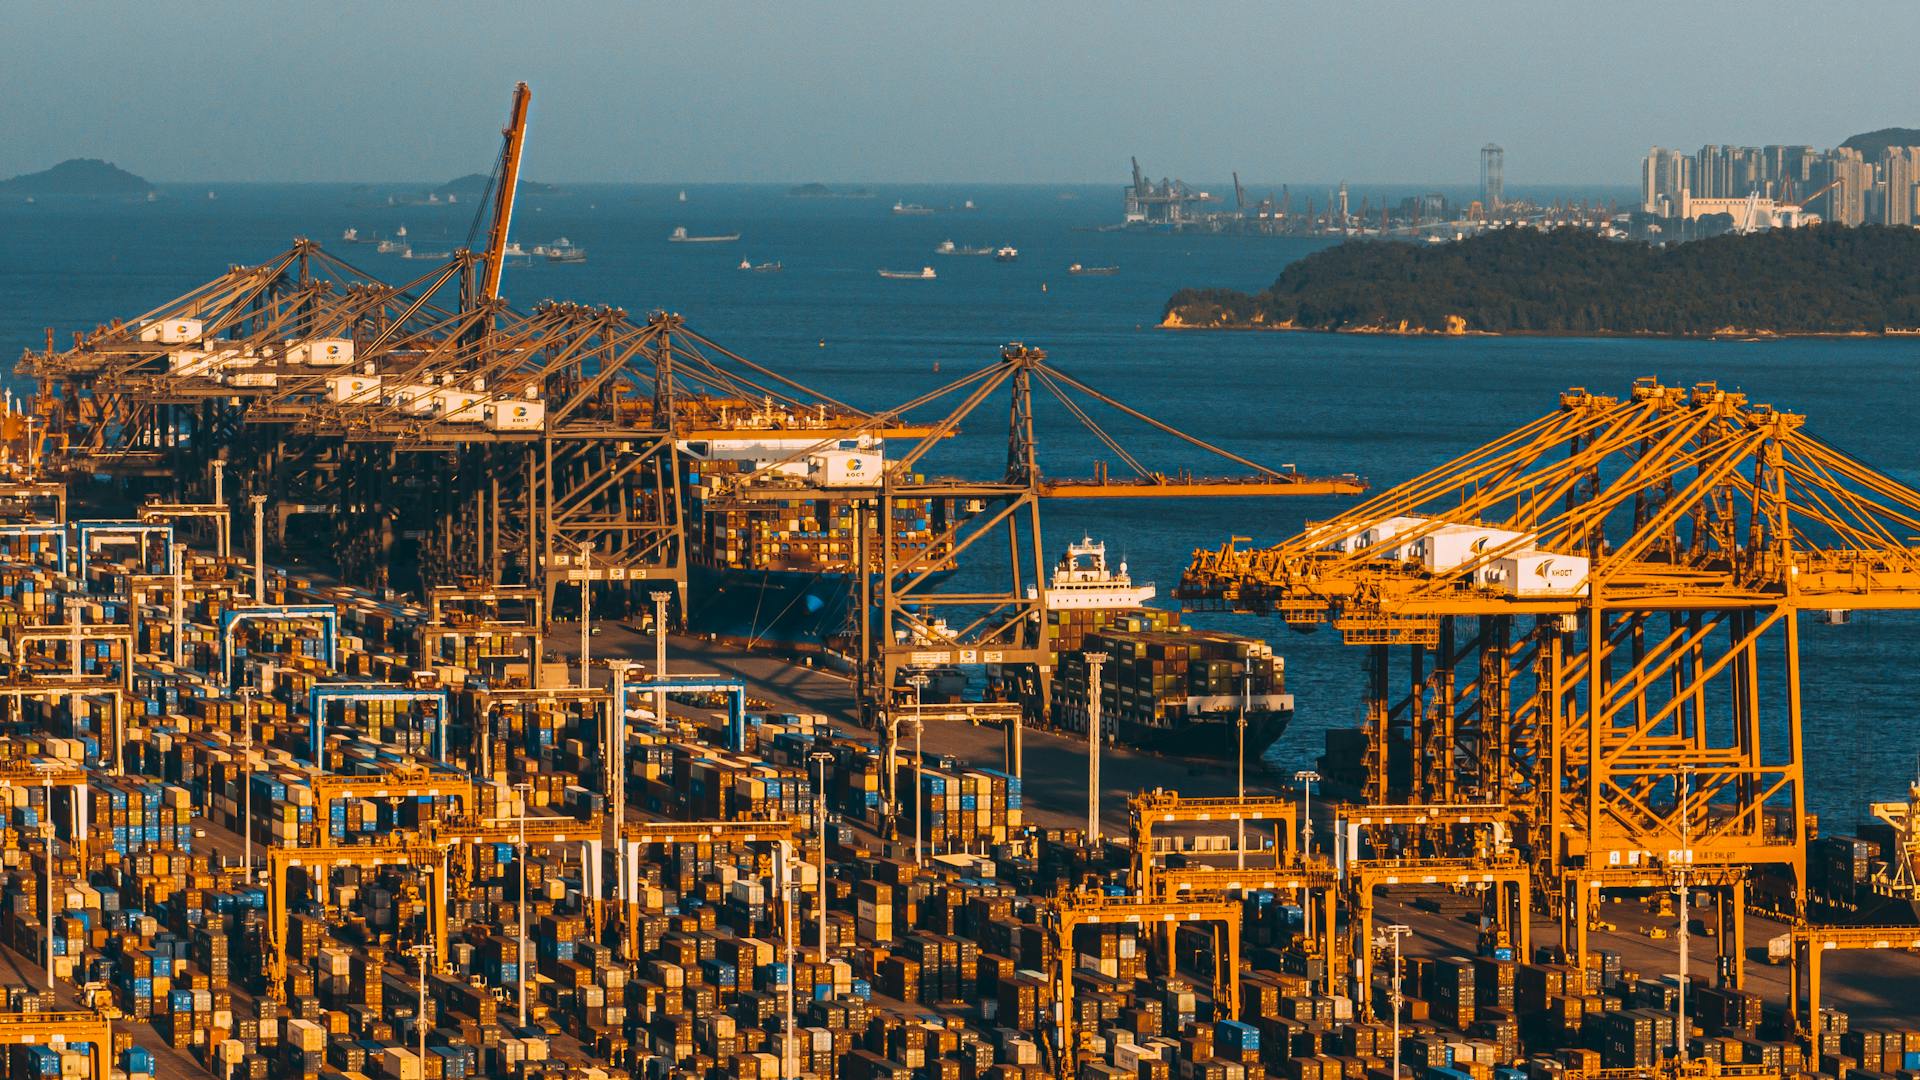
1493 180
1665 180
1899 169
1851 177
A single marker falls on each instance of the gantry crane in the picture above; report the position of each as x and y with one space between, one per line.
322 859
57 1028
1811 943
636 835
911 620
1068 911
1584 606
401 781
1149 809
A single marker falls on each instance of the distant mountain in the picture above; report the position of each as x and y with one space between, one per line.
78 176
473 184
1872 143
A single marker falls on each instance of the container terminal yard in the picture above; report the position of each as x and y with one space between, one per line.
403 819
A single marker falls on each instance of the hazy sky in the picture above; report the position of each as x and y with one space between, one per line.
708 90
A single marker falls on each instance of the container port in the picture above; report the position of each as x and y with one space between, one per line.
407 818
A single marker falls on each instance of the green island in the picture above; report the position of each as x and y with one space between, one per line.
1825 279
77 176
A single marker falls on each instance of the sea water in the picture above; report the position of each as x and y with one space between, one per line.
1384 408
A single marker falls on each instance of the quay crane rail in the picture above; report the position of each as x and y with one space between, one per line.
1584 606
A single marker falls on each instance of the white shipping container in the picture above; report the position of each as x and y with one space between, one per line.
1453 546
1383 532
253 378
516 415
458 406
1541 574
321 352
415 399
363 389
846 468
189 362
173 331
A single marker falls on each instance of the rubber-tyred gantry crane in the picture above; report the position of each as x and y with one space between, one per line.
1598 617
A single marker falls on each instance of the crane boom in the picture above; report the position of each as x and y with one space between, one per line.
515 134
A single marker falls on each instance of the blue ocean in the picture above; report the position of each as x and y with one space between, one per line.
1382 408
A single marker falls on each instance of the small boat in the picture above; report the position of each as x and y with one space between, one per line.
434 256
513 248
925 273
680 236
351 236
210 196
1092 271
760 268
1006 253
968 205
683 196
152 197
911 208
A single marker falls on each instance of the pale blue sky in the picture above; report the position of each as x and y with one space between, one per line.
901 91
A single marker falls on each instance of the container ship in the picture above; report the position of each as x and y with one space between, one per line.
781 573
1165 686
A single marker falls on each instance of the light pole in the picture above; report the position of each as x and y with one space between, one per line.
46 827
246 778
523 790
1240 786
1307 778
421 954
820 759
1392 934
787 1063
918 680
661 599
1095 733
1684 782
259 547
586 609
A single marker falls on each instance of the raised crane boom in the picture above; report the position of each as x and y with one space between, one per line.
515 134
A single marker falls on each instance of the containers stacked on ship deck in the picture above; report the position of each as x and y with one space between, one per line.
1174 687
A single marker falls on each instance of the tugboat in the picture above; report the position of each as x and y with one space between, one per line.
1006 253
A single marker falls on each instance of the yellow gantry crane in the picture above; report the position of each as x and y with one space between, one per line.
1067 911
322 859
1572 621
57 1028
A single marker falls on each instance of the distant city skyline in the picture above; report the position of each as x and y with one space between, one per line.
1377 93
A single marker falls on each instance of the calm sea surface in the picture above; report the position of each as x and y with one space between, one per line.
1383 408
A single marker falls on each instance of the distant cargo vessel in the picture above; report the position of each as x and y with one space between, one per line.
681 236
911 208
925 273
947 247
1092 271
1165 687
